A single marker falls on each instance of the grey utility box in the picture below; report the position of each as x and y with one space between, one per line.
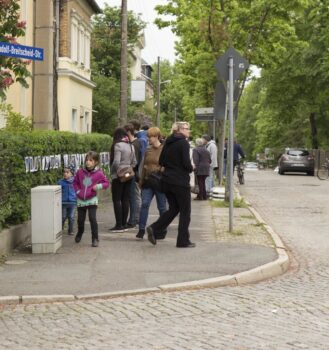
46 215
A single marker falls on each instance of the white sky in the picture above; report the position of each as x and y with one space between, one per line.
157 42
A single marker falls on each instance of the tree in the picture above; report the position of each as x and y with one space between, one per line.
15 121
292 109
106 64
11 69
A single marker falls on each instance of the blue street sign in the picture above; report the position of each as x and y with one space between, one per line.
21 51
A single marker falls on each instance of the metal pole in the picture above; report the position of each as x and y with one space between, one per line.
158 95
123 64
231 136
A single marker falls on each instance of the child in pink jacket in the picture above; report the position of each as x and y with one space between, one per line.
87 182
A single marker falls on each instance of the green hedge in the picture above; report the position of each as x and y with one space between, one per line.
16 184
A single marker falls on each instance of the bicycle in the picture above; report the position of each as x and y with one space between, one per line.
323 171
240 172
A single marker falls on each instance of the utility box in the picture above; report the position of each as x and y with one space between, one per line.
46 219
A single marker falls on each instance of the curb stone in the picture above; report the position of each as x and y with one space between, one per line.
260 273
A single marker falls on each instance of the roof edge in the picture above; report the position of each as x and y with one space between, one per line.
93 4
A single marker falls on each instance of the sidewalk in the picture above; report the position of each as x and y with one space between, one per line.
122 263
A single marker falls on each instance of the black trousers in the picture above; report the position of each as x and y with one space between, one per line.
202 186
82 212
120 198
179 200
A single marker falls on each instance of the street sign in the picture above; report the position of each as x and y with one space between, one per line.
204 114
137 90
21 51
220 101
207 111
240 64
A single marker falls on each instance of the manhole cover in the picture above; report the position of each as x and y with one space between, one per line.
15 262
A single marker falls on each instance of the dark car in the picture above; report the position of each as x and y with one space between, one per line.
296 160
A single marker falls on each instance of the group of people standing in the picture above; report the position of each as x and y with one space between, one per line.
144 151
150 158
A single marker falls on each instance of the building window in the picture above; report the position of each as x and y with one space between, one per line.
81 44
87 123
87 51
74 120
74 41
80 40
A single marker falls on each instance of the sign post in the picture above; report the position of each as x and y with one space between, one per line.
230 66
206 115
21 51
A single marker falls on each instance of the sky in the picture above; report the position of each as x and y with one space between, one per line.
157 42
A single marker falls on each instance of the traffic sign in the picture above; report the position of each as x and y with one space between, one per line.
205 114
240 64
205 111
220 101
21 51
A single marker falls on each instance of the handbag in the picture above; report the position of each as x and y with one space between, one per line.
154 181
125 173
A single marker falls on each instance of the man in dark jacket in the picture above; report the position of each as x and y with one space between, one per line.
237 153
176 163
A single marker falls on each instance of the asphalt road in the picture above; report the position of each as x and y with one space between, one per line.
288 312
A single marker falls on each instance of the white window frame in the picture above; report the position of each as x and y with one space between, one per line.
74 40
87 50
80 40
87 122
74 119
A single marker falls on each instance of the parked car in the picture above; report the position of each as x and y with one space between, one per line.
296 160
251 166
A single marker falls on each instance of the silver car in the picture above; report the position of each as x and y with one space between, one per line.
296 160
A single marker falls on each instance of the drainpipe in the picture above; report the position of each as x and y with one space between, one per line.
33 63
55 67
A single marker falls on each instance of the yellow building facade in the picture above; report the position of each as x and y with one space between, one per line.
60 91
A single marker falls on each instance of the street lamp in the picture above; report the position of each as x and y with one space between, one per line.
159 90
158 99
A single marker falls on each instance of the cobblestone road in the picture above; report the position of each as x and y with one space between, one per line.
289 312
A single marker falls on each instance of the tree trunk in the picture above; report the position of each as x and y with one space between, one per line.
314 131
124 64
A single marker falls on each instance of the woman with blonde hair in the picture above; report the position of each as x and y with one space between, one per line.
150 165
176 166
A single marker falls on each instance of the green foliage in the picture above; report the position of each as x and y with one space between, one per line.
237 203
260 30
293 90
105 53
15 121
106 104
15 183
106 43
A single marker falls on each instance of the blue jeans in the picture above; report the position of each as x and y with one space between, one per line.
68 211
134 202
147 196
210 181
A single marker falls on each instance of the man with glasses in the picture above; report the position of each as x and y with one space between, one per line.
176 165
